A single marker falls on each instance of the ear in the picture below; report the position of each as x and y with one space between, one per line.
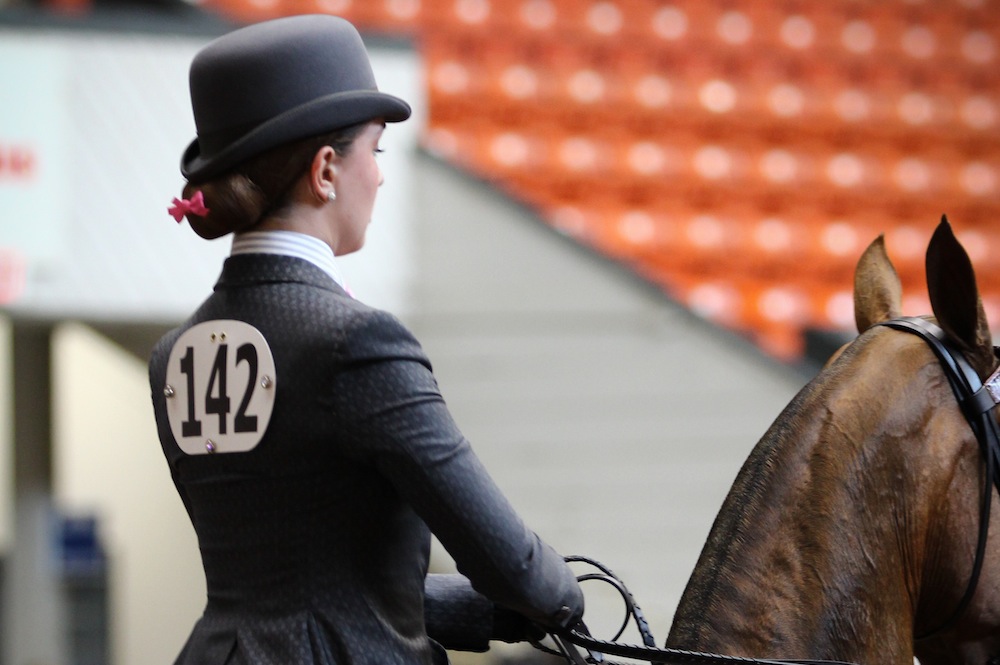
951 285
323 173
878 293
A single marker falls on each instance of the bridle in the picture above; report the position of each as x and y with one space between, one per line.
977 400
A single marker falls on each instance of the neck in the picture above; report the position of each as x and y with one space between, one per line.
301 221
817 550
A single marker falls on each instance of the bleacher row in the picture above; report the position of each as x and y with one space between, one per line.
739 154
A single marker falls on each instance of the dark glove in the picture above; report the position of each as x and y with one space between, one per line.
509 626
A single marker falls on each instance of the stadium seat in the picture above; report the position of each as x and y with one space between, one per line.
717 146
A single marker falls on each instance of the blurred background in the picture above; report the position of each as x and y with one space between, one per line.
624 231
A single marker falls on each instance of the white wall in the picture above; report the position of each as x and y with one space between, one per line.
106 117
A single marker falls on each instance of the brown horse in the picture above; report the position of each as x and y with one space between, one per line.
850 531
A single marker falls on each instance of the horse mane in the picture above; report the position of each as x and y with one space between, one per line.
734 519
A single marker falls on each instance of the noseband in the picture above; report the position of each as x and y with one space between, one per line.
977 401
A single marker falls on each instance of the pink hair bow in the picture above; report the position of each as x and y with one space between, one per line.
181 207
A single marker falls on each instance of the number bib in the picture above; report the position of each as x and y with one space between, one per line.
220 388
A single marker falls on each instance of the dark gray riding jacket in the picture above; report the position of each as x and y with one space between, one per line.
315 543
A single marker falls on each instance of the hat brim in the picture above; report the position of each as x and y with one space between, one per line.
319 116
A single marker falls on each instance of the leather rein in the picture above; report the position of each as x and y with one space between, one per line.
567 639
977 399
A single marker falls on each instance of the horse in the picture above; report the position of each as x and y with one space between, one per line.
851 530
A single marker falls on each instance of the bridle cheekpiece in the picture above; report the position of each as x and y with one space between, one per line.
977 400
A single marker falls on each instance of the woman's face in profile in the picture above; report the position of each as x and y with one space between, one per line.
358 178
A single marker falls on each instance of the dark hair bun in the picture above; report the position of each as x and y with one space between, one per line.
234 203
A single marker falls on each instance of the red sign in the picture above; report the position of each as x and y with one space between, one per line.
17 162
12 275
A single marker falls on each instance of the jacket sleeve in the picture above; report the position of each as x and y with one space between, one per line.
456 616
395 417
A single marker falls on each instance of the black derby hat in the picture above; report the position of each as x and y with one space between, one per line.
279 81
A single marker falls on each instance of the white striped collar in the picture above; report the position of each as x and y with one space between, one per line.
289 243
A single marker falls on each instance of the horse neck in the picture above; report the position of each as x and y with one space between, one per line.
817 550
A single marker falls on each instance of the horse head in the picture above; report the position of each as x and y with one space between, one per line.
851 530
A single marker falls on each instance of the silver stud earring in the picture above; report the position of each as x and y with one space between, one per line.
331 196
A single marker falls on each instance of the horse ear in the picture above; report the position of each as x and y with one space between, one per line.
955 301
878 293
